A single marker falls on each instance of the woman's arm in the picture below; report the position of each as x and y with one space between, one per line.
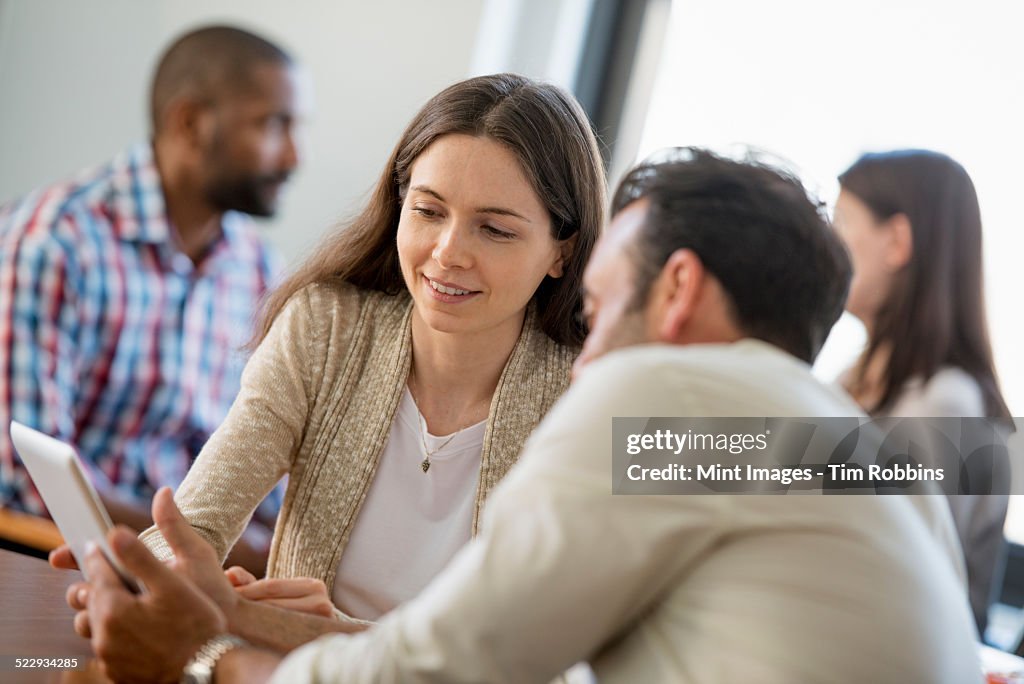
258 441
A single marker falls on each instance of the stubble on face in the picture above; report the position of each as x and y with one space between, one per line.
239 189
251 153
616 313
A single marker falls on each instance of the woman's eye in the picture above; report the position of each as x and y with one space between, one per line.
498 232
425 212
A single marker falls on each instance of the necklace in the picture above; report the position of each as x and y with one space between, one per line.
427 452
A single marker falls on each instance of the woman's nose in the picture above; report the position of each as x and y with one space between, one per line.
452 249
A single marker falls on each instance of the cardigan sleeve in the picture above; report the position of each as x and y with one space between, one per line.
257 443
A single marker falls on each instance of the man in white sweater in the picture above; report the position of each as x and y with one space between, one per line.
711 292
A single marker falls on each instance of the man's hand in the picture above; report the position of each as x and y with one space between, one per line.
122 510
250 551
301 594
145 637
193 558
62 559
77 597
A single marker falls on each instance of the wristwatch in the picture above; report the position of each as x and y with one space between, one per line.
200 669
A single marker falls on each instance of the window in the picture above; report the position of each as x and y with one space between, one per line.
818 83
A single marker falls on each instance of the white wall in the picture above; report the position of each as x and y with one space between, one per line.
74 78
539 38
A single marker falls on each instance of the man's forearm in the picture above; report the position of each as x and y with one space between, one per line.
282 630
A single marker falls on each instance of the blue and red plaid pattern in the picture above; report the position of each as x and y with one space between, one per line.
110 337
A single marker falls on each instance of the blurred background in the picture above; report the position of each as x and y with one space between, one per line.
813 82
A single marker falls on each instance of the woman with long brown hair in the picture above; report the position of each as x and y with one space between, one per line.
913 227
398 372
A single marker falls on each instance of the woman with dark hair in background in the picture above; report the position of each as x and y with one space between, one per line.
400 370
913 226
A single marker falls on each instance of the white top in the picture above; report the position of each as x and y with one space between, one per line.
979 519
950 392
412 522
680 589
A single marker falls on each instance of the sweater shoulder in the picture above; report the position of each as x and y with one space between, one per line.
338 307
949 392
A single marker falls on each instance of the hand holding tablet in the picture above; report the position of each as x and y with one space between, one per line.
68 494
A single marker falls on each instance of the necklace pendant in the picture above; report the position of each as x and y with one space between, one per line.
425 466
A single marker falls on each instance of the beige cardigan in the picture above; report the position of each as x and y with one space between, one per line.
317 401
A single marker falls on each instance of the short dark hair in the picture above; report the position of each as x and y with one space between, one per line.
934 315
207 61
756 230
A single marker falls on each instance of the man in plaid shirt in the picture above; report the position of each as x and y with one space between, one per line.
127 294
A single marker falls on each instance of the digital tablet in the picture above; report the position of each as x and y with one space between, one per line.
68 494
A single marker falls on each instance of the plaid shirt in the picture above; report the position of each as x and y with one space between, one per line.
110 337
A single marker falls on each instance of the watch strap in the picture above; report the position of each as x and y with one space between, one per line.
199 669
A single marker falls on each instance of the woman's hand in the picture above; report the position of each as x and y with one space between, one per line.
239 576
301 594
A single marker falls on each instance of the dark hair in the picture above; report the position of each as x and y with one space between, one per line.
756 230
206 62
935 314
550 135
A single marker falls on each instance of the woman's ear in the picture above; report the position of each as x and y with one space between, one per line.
901 241
565 250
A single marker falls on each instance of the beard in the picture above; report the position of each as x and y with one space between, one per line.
248 193
629 331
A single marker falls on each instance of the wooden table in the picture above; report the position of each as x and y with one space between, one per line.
36 622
